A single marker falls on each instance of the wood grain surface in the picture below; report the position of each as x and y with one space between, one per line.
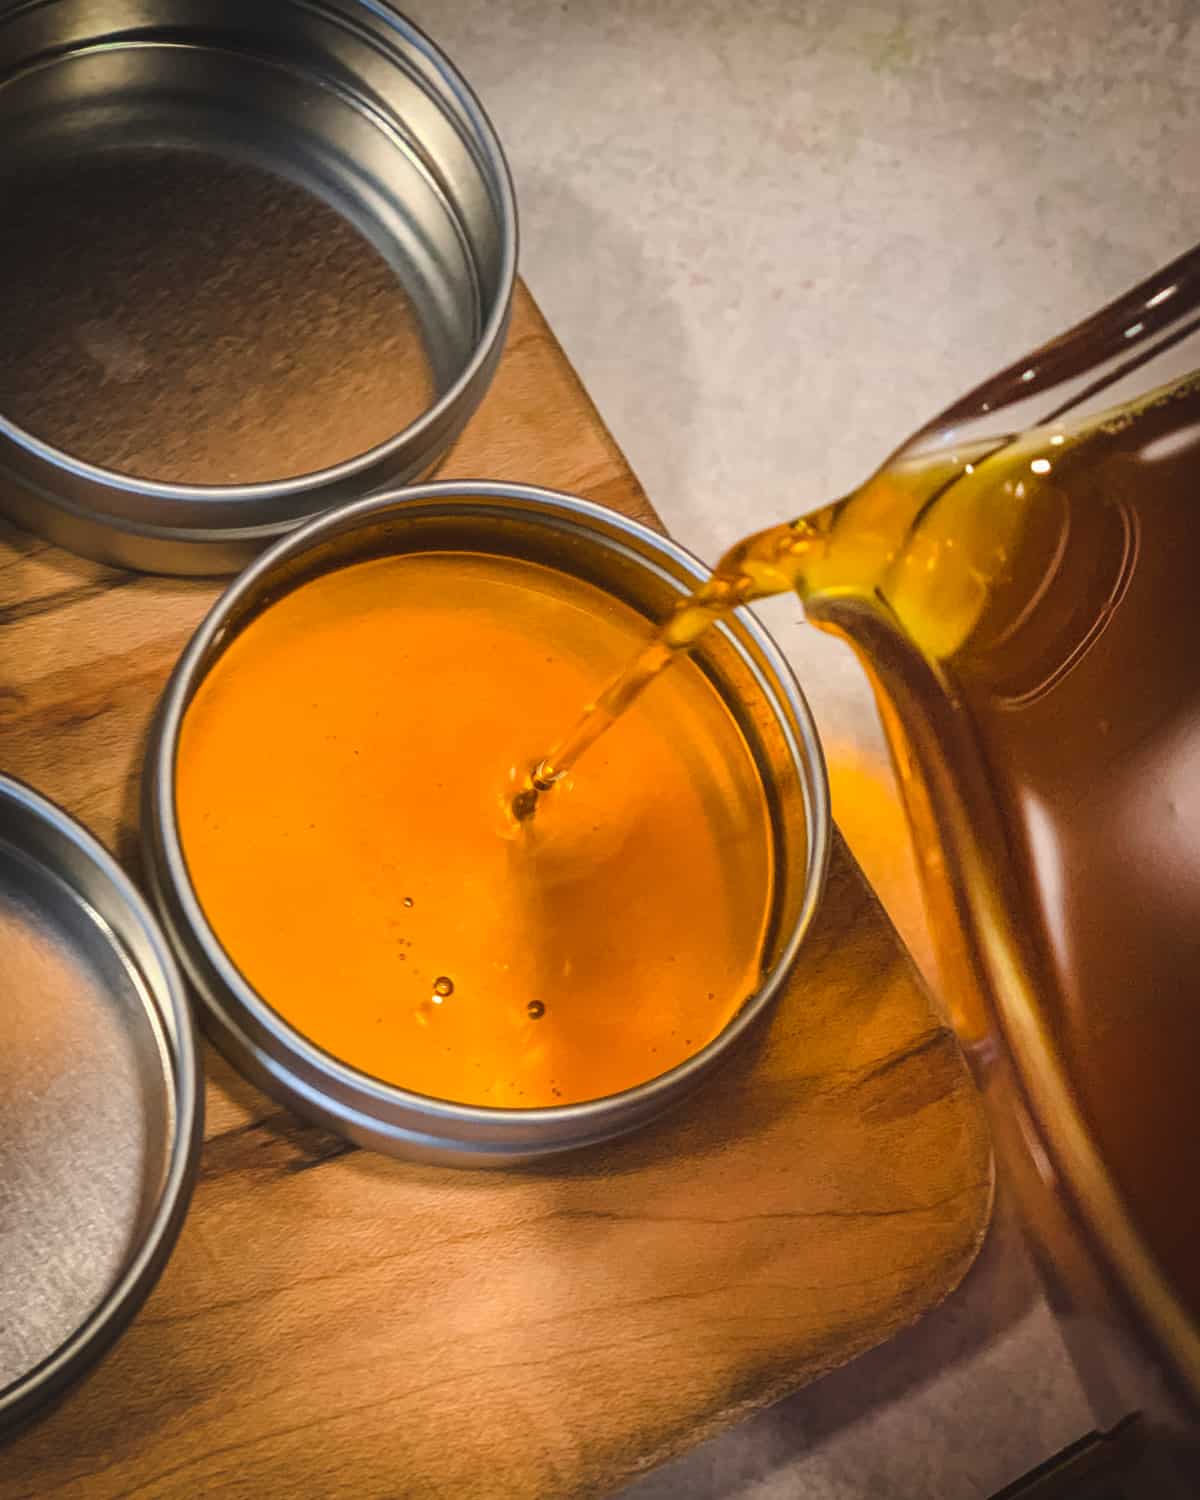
334 1323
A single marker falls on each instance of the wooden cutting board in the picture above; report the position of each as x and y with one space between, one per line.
334 1323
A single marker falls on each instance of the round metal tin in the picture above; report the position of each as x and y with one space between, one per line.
100 1101
630 562
341 101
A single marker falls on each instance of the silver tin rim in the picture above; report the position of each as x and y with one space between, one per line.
164 984
122 520
301 1075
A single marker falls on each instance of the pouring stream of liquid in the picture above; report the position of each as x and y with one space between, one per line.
767 563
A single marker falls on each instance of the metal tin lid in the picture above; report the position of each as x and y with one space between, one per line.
638 567
100 1101
264 263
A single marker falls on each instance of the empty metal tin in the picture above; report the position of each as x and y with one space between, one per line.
255 259
100 1101
628 561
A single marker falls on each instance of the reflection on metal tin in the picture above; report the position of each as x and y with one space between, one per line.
628 562
100 1102
255 260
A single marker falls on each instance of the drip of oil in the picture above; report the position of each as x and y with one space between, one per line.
344 810
1044 591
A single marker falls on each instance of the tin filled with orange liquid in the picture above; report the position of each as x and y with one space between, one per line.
329 826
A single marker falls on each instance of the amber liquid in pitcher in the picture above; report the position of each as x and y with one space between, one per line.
1051 586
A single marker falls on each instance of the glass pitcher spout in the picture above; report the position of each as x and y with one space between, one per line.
1022 584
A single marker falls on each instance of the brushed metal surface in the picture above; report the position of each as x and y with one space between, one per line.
83 1114
176 315
254 260
99 1101
628 560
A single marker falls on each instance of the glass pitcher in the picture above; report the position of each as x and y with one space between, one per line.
1021 581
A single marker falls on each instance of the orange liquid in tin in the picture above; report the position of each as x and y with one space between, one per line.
344 786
